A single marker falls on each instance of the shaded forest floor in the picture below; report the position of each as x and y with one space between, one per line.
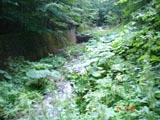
108 78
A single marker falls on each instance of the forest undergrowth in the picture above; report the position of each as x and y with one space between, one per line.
114 76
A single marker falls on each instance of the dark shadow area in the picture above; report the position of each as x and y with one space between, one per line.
83 38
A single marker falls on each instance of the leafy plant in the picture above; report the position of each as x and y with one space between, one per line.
121 78
55 62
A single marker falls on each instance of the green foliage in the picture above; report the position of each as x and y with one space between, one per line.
113 12
100 12
34 15
76 50
121 81
23 85
5 75
55 62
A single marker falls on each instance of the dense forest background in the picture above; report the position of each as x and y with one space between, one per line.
114 76
26 24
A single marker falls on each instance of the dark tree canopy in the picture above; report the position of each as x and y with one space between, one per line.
35 15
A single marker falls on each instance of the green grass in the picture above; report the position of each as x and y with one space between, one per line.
101 32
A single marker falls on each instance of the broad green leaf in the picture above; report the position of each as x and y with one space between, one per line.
97 73
157 94
117 67
36 74
154 58
116 44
